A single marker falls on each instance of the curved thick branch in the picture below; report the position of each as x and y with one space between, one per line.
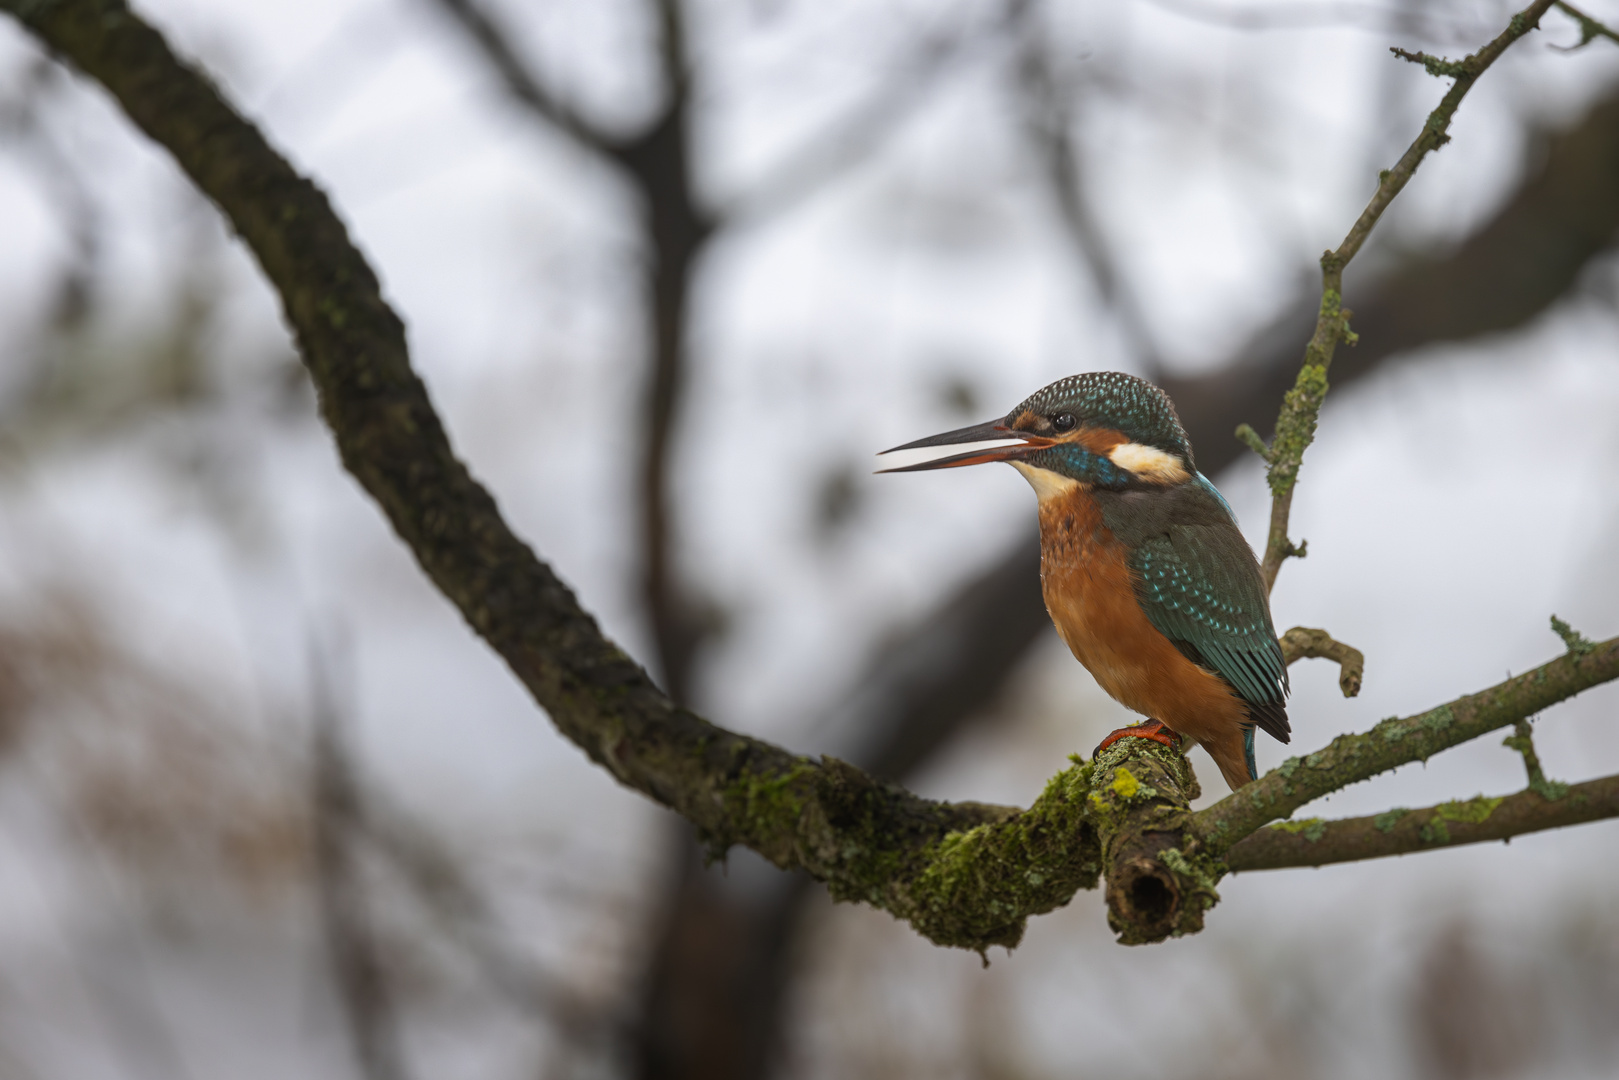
964 874
1302 642
1314 842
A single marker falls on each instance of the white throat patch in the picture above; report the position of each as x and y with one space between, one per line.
1149 463
1047 484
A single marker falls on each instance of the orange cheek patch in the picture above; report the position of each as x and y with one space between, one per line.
1098 441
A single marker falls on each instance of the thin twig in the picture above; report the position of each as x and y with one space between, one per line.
1523 741
1590 29
853 137
520 79
1295 426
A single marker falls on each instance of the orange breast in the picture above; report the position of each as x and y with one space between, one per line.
1090 593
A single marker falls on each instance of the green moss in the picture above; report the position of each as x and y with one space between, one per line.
1550 790
1577 643
1127 787
1312 829
1295 427
1473 811
335 315
770 803
976 887
1438 719
1198 875
1288 767
1385 822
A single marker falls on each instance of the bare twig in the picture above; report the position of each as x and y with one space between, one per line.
1590 29
1314 842
1301 642
519 78
1295 426
852 138
1522 740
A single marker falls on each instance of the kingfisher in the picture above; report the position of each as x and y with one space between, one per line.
1143 570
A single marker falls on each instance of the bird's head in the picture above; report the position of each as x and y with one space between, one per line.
1099 429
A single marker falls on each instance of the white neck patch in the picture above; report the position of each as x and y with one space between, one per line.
1149 463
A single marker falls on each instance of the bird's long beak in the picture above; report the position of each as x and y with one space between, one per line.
976 445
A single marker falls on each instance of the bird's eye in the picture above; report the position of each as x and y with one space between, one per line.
1064 421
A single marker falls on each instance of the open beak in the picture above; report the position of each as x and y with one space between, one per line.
992 441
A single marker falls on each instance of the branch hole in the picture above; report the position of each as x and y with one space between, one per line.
1151 898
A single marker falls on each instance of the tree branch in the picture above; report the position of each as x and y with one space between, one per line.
1295 426
1301 642
1590 29
520 80
1314 842
1349 759
963 874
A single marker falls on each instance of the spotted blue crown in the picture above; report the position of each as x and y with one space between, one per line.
1112 399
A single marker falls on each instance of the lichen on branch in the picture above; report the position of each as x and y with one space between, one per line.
1397 741
1296 423
1401 831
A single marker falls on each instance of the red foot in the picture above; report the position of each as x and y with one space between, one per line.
1152 729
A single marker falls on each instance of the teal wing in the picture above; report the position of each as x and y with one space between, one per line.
1200 587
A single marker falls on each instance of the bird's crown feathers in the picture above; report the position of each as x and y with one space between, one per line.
1112 399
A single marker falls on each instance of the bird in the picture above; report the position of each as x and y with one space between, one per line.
1144 572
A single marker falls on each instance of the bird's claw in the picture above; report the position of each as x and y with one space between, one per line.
1152 729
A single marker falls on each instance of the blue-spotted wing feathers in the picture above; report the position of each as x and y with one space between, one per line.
1199 584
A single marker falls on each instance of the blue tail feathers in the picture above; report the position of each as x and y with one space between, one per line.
1248 752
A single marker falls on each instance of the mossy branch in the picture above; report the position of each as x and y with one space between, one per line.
1399 831
1296 424
1350 759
